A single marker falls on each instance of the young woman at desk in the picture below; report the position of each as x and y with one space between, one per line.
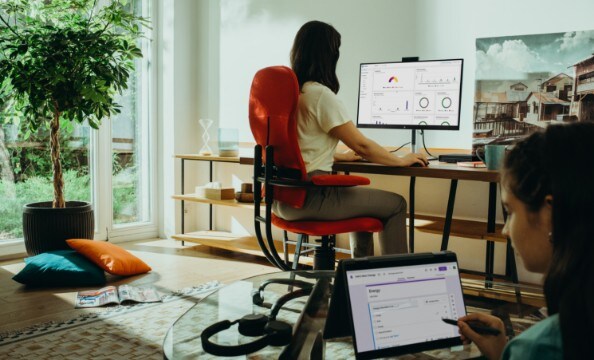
547 189
322 121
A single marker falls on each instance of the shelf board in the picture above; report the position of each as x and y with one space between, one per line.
476 287
224 240
194 198
461 228
242 244
214 157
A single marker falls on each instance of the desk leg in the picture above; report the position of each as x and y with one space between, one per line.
449 214
490 253
182 202
210 205
411 215
492 207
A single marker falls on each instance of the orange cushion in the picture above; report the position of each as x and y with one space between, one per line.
111 258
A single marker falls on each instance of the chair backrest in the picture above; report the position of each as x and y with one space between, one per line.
273 103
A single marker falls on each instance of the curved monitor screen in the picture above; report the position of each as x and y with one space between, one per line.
410 95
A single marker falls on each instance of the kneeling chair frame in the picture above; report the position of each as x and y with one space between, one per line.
271 175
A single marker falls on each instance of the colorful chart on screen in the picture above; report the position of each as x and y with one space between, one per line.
420 94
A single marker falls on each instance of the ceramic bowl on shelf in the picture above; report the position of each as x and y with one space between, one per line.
244 197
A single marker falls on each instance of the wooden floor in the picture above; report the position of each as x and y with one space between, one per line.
174 267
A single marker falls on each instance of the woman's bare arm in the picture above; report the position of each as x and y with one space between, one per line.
372 151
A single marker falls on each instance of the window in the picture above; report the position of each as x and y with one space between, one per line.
130 131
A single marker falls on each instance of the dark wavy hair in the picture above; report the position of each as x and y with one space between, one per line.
315 53
560 162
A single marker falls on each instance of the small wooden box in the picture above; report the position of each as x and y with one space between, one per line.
215 194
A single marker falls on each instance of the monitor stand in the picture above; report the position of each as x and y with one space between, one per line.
413 141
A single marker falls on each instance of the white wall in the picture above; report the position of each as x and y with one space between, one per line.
244 36
180 84
259 33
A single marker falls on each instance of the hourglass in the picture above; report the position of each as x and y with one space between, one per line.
205 150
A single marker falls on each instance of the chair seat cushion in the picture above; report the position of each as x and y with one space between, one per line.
320 228
339 180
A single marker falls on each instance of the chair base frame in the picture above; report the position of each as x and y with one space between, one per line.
266 174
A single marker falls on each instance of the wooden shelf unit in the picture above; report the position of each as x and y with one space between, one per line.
223 239
193 198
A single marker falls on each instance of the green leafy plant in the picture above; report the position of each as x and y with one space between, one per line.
66 60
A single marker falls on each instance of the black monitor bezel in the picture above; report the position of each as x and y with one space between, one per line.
412 127
390 261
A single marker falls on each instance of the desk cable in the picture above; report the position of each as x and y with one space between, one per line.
400 147
432 157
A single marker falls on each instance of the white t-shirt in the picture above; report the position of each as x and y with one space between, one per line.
318 112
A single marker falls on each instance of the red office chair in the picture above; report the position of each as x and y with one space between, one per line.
281 171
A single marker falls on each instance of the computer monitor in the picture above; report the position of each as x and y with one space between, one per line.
410 95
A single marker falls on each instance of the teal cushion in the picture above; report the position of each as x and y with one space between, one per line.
60 268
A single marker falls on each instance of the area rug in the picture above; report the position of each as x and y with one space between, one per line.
121 332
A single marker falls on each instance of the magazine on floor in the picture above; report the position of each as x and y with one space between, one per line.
116 295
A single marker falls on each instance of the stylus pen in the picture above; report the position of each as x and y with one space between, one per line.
476 326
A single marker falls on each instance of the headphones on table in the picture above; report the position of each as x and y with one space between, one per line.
272 331
275 333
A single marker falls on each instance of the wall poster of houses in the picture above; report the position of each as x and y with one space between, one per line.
530 81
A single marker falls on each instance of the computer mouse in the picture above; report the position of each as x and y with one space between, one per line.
417 165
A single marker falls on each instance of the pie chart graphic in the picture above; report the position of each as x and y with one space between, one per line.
446 102
424 102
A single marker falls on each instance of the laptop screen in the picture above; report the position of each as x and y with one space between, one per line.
404 305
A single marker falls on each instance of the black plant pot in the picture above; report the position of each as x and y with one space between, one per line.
46 228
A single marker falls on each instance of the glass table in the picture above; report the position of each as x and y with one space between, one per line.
235 300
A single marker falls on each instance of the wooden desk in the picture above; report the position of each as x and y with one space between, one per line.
439 170
454 173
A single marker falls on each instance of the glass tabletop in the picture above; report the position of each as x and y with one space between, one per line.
236 300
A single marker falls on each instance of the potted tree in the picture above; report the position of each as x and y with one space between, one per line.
65 61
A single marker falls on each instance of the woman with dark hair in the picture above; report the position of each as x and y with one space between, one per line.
322 121
547 190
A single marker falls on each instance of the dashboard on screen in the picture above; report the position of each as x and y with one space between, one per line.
410 95
404 305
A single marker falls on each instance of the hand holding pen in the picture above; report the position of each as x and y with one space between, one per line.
490 345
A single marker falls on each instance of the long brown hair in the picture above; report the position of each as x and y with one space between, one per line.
315 53
560 162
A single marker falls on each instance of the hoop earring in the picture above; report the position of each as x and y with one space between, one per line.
551 237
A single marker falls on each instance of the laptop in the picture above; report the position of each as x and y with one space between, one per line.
395 303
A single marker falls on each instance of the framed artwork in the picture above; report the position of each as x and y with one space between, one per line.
527 82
